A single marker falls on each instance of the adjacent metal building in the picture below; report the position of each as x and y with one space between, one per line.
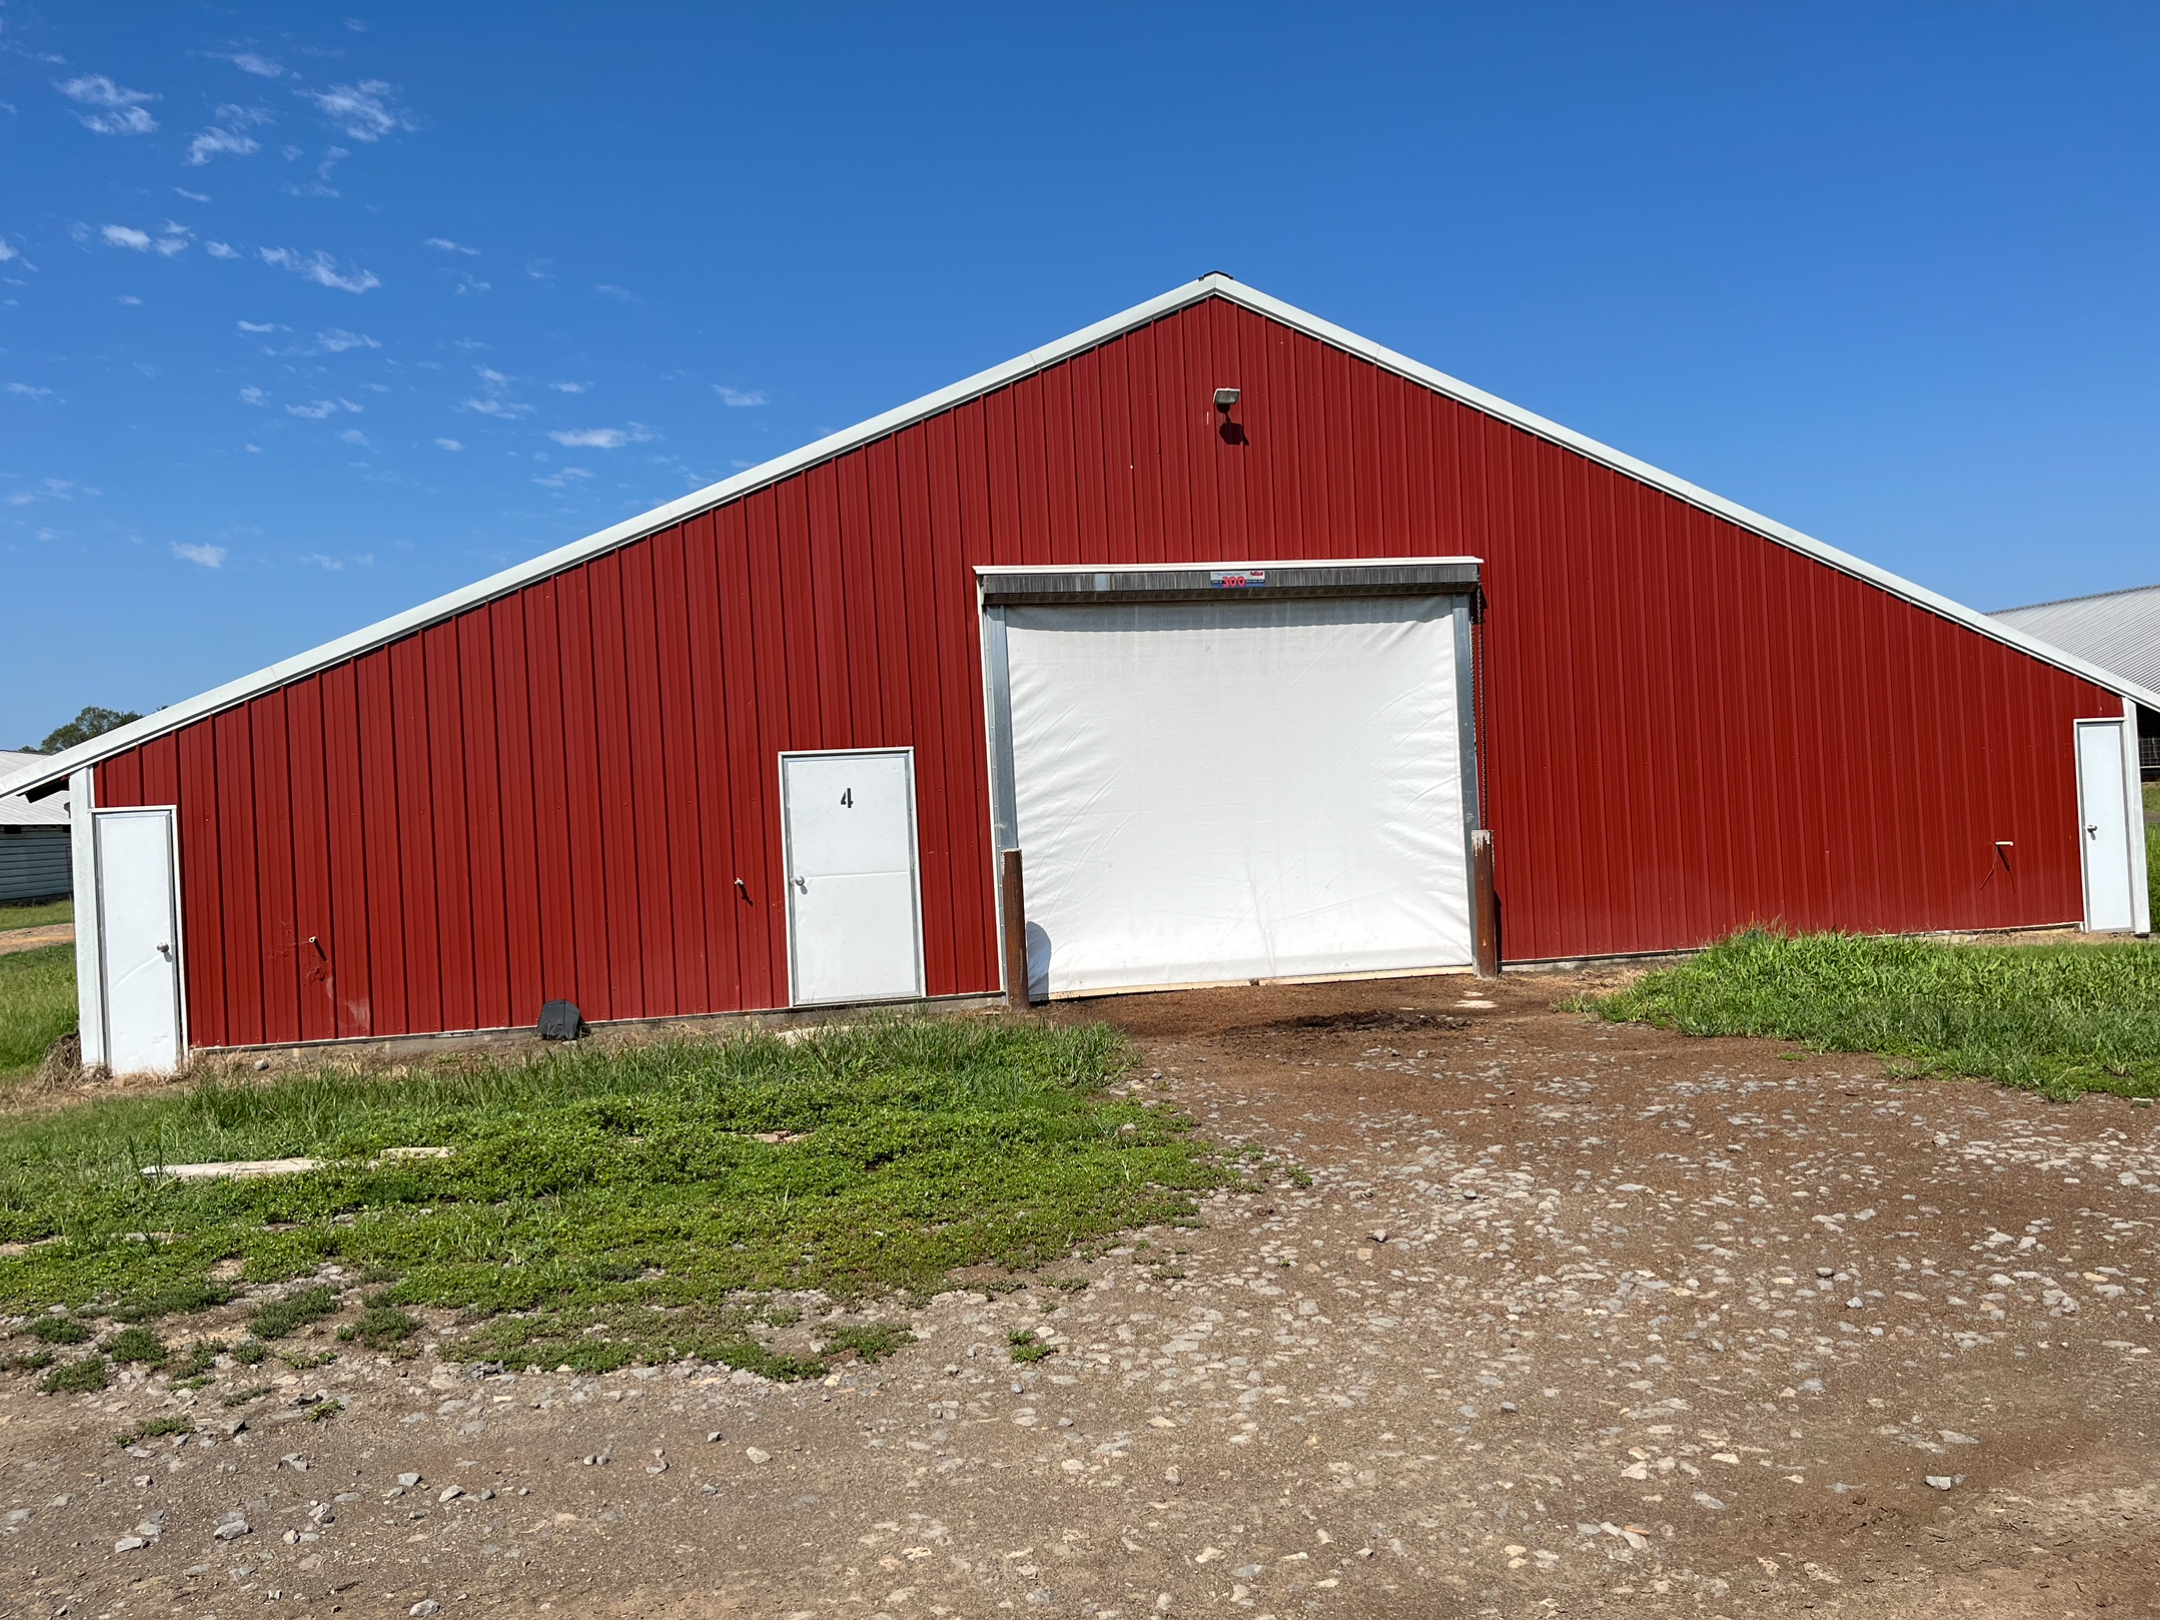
2117 630
34 863
1135 603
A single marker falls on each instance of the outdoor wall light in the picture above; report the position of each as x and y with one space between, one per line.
1225 398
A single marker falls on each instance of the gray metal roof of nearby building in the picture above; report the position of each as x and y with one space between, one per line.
2118 630
16 811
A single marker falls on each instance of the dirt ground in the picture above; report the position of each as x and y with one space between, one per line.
1570 1319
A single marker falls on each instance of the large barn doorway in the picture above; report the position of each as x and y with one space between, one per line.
1213 781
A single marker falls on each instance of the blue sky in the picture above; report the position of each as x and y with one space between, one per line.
305 318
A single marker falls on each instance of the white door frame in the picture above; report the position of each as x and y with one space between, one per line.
171 813
2134 786
787 860
2133 813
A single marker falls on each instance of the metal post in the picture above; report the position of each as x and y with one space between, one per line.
1016 951
1485 908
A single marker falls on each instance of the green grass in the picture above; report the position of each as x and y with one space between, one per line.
603 1206
84 1377
1026 1347
37 1006
136 1344
866 1341
35 913
380 1327
156 1428
294 1311
2152 864
2056 1019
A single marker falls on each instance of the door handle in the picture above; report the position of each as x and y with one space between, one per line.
165 951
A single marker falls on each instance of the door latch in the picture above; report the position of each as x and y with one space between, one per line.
803 884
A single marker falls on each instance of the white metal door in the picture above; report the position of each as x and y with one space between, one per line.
139 939
854 905
2104 826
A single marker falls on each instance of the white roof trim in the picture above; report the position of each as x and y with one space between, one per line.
983 382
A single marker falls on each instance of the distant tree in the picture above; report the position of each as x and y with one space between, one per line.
92 722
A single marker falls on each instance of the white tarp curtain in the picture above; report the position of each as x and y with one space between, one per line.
1229 790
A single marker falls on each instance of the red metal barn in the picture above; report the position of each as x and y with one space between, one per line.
1237 624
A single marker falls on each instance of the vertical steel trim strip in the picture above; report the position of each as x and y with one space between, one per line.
1466 763
2140 877
1004 804
89 958
179 938
787 876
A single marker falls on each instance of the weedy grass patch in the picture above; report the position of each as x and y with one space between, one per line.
2056 1019
16 914
601 1206
37 1006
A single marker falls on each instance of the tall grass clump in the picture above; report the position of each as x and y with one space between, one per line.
601 1204
37 1006
2056 1019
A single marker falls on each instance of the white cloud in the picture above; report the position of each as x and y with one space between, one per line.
621 295
263 67
337 340
445 245
26 391
127 298
320 268
365 111
496 407
353 436
321 408
212 141
7 251
201 556
731 396
122 112
450 444
253 396
171 238
470 286
221 250
600 438
321 561
258 326
192 196
540 269
569 387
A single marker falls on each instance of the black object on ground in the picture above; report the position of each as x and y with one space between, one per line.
561 1021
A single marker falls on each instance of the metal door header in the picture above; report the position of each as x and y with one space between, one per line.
1080 586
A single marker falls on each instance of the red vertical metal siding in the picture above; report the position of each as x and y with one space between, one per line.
1687 727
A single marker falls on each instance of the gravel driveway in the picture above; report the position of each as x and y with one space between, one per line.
1570 1318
